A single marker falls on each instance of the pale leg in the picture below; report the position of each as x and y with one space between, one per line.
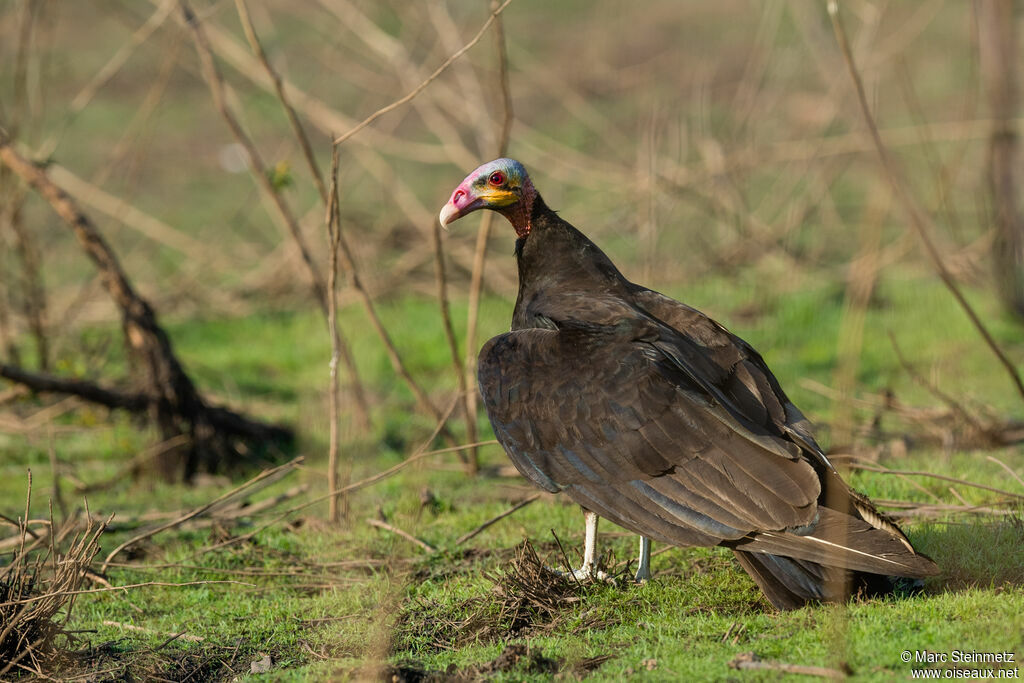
643 569
589 542
586 570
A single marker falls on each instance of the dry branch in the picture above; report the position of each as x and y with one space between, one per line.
515 508
333 220
916 216
259 170
94 393
258 482
397 364
173 401
449 333
999 62
282 97
495 13
404 534
483 236
37 593
751 662
339 345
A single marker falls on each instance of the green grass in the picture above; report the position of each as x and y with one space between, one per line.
673 77
274 364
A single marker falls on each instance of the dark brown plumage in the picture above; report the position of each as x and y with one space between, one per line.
650 414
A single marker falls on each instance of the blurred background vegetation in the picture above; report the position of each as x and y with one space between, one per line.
714 150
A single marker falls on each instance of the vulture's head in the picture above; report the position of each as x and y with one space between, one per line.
501 185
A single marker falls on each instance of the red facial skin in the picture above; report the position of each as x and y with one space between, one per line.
509 193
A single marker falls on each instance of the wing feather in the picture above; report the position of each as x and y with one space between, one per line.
647 451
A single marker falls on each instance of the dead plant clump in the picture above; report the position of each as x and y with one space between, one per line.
527 598
37 593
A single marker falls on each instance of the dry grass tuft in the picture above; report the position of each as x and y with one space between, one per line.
37 592
527 598
530 595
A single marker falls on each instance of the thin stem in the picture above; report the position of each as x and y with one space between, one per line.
917 218
332 220
495 13
482 238
344 351
453 344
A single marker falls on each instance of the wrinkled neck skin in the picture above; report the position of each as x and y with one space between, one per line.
520 214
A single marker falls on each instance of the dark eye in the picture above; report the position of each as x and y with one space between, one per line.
497 178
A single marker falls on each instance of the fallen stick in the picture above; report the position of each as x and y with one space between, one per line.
417 455
1006 467
404 534
142 629
518 506
751 662
277 472
147 584
134 464
915 473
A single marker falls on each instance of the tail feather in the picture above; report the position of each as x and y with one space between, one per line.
790 583
851 549
839 540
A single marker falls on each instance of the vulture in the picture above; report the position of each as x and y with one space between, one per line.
652 415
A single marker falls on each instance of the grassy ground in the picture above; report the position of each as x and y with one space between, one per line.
762 204
326 601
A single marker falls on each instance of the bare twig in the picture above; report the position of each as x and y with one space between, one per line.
259 169
1005 467
340 346
263 477
515 508
409 73
332 219
482 238
142 629
918 219
404 534
293 119
751 662
495 13
397 364
339 343
964 482
453 344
